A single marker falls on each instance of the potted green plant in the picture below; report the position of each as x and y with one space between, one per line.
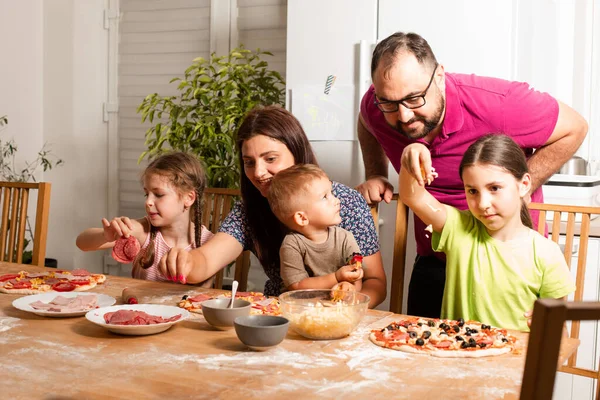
11 173
204 117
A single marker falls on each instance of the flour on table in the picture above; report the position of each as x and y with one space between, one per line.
7 323
59 350
276 356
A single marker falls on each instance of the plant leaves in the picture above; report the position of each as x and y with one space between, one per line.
204 116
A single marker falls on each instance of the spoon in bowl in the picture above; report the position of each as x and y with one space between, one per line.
234 287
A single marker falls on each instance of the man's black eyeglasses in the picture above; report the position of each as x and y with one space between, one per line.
412 102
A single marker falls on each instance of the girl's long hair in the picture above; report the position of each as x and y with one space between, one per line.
502 151
266 232
185 173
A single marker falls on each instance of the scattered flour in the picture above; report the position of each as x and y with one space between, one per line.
7 323
59 350
277 356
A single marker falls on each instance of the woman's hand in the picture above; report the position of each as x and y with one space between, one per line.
176 265
118 227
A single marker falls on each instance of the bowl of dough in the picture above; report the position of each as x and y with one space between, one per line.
323 314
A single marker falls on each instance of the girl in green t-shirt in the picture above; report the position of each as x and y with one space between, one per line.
497 265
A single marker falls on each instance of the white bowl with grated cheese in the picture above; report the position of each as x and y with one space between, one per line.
323 314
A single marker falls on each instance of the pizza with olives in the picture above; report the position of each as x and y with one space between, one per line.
444 338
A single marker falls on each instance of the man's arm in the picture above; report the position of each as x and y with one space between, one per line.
374 158
377 186
568 134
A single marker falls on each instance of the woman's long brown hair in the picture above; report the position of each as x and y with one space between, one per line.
185 173
277 123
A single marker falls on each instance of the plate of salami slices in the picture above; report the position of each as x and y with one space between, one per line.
70 304
137 319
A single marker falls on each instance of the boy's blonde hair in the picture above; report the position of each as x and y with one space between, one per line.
289 188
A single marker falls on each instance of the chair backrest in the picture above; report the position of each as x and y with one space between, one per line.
217 204
573 222
399 259
14 200
549 316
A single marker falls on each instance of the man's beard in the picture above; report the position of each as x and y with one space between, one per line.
429 124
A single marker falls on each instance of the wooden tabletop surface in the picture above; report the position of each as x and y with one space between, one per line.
72 358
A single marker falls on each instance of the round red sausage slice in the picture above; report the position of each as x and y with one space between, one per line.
22 284
63 287
8 277
125 249
80 272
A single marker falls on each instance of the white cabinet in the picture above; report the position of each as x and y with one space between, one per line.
568 386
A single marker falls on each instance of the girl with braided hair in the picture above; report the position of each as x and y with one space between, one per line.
174 184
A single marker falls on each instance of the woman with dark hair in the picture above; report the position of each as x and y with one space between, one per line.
271 139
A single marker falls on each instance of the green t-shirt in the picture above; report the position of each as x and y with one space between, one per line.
495 282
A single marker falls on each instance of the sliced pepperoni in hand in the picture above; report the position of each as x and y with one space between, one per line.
63 287
126 249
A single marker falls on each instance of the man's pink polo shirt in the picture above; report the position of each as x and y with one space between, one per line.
475 106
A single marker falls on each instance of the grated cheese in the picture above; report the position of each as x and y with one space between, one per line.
318 322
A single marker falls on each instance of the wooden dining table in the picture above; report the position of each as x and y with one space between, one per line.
72 358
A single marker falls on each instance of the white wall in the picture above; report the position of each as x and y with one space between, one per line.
21 74
75 86
53 83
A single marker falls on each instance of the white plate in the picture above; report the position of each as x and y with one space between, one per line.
97 317
23 303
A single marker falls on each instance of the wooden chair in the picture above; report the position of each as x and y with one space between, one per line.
217 204
399 259
549 316
571 232
14 197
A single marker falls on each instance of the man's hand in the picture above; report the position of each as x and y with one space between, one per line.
176 265
376 189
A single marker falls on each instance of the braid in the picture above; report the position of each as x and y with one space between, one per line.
198 217
148 259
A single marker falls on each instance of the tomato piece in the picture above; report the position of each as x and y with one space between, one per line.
22 284
8 277
80 282
63 287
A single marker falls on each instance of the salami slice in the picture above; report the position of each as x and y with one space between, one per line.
80 272
126 249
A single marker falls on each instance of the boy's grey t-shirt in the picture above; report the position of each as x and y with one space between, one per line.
302 258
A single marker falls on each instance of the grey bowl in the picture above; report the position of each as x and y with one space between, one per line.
260 332
218 314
